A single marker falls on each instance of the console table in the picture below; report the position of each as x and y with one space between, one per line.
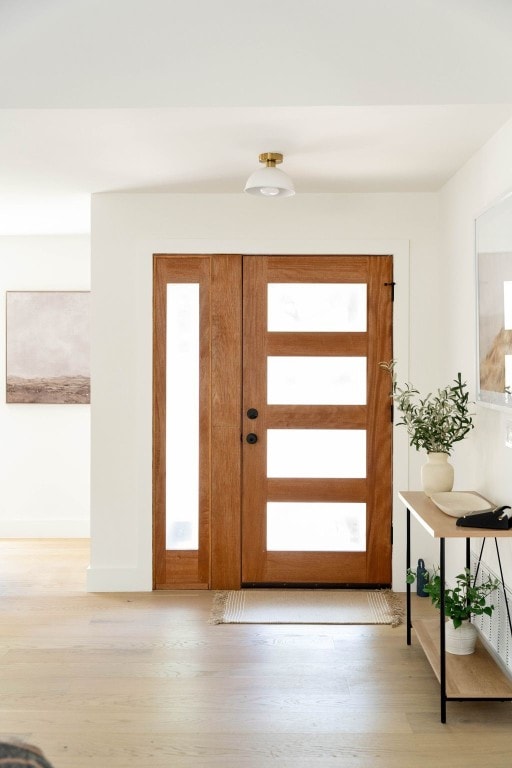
461 678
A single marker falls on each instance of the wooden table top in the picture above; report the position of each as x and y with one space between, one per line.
439 524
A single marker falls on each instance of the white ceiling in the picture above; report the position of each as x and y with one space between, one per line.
160 95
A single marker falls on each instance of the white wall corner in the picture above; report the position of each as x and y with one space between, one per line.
118 580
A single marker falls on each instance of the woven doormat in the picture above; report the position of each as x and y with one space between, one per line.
307 606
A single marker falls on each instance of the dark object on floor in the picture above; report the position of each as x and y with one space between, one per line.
15 754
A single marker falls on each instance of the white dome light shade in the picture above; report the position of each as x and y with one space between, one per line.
270 181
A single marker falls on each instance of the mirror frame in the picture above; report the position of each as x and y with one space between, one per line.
493 247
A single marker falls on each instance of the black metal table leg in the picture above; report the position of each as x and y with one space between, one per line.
408 565
442 576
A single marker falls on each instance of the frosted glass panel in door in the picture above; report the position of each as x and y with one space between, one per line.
316 527
316 380
182 417
317 307
316 453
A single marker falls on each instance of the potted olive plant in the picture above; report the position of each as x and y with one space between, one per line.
461 602
434 423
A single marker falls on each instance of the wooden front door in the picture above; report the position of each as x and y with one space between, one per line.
317 483
293 449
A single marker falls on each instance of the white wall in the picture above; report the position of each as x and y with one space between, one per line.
44 451
126 230
482 463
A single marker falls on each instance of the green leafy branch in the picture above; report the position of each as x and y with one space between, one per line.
435 422
464 600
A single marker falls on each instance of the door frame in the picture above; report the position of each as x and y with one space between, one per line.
399 249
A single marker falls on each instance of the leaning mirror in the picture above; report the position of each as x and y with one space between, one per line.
494 276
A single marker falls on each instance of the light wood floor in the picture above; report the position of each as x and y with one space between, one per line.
115 680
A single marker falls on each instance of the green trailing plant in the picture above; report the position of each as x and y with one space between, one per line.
466 599
435 422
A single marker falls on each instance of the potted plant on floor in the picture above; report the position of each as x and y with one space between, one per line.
434 423
461 602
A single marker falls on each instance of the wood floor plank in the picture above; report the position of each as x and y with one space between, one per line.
110 680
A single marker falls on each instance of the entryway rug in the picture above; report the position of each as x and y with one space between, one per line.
307 606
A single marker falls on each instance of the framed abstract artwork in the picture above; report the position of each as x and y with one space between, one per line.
48 347
494 280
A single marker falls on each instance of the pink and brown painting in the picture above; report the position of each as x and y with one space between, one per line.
48 347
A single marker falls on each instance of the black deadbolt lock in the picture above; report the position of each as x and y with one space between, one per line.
252 438
252 413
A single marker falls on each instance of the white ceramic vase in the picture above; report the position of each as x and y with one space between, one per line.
460 641
437 474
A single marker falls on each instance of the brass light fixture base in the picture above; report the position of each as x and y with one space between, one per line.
271 159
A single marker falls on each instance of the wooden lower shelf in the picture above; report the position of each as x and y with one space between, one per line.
476 676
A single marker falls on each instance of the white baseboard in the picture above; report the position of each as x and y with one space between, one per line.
118 580
44 529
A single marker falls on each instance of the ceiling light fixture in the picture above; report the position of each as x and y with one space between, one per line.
270 181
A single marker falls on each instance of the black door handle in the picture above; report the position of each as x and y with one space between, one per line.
252 438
